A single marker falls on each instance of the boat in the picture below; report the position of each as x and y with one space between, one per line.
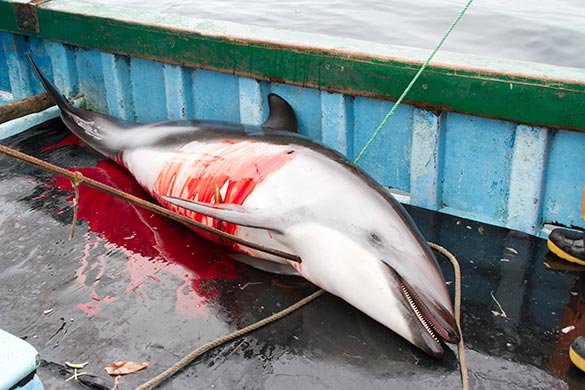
485 153
18 362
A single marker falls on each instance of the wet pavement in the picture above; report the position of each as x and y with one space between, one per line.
134 286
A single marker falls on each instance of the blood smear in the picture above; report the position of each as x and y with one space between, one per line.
152 243
236 167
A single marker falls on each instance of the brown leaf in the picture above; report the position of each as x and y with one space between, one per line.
125 367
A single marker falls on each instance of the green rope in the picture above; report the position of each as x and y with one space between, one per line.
409 87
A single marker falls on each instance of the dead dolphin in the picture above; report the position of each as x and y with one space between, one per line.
269 185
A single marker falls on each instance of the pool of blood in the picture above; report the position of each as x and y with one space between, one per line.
152 243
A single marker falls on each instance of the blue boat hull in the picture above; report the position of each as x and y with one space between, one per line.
488 170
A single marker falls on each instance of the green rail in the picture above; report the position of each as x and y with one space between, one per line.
536 94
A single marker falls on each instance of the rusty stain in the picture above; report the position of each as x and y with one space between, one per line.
26 15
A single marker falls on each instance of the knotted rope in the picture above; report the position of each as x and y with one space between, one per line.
75 182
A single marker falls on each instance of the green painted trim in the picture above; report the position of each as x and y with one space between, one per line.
7 17
522 92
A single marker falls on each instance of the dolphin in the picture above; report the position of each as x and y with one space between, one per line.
272 186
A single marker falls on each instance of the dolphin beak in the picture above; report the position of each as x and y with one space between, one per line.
435 323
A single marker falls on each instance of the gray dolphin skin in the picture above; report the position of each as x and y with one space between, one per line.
269 185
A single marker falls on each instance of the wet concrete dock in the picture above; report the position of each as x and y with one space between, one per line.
134 286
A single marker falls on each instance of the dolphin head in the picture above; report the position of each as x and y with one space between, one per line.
402 289
370 253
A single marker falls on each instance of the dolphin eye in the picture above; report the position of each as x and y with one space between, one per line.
375 239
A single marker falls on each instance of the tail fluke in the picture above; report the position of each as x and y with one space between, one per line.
59 99
95 129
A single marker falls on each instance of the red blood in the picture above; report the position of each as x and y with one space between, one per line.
153 244
89 308
109 299
241 165
69 140
153 278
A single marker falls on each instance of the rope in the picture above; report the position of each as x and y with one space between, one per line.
440 249
80 179
457 309
411 84
215 343
188 359
77 180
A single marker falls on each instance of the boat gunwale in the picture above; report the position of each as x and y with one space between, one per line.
496 84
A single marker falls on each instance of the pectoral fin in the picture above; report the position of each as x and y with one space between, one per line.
231 213
265 265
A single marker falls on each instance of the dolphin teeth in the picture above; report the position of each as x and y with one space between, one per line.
428 327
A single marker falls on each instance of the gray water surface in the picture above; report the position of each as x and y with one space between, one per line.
551 31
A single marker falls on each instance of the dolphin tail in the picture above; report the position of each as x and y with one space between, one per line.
55 94
97 130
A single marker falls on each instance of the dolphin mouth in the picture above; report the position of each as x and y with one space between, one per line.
437 322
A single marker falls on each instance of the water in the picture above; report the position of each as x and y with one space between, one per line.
550 31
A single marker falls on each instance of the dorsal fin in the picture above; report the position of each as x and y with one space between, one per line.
282 116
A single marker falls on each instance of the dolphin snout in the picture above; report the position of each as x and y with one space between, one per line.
439 319
432 323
